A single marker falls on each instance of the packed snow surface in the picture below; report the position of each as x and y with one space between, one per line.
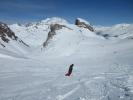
103 68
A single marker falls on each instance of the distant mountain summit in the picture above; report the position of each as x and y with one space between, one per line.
83 23
54 20
56 33
9 41
6 33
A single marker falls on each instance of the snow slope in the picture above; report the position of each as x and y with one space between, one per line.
102 71
34 34
9 42
117 31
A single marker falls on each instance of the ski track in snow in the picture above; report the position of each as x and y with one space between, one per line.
103 67
54 86
31 79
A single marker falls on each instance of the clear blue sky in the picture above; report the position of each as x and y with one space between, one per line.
98 12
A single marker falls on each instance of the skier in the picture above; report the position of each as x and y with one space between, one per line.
70 70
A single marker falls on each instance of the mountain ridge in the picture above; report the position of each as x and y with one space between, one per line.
42 33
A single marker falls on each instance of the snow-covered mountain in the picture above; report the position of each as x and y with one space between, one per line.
36 33
102 58
120 31
57 32
10 42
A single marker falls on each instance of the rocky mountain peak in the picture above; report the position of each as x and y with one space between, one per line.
52 32
6 33
83 23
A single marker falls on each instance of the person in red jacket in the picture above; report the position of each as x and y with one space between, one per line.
70 70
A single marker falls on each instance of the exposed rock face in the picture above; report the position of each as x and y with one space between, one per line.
6 34
84 24
52 32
